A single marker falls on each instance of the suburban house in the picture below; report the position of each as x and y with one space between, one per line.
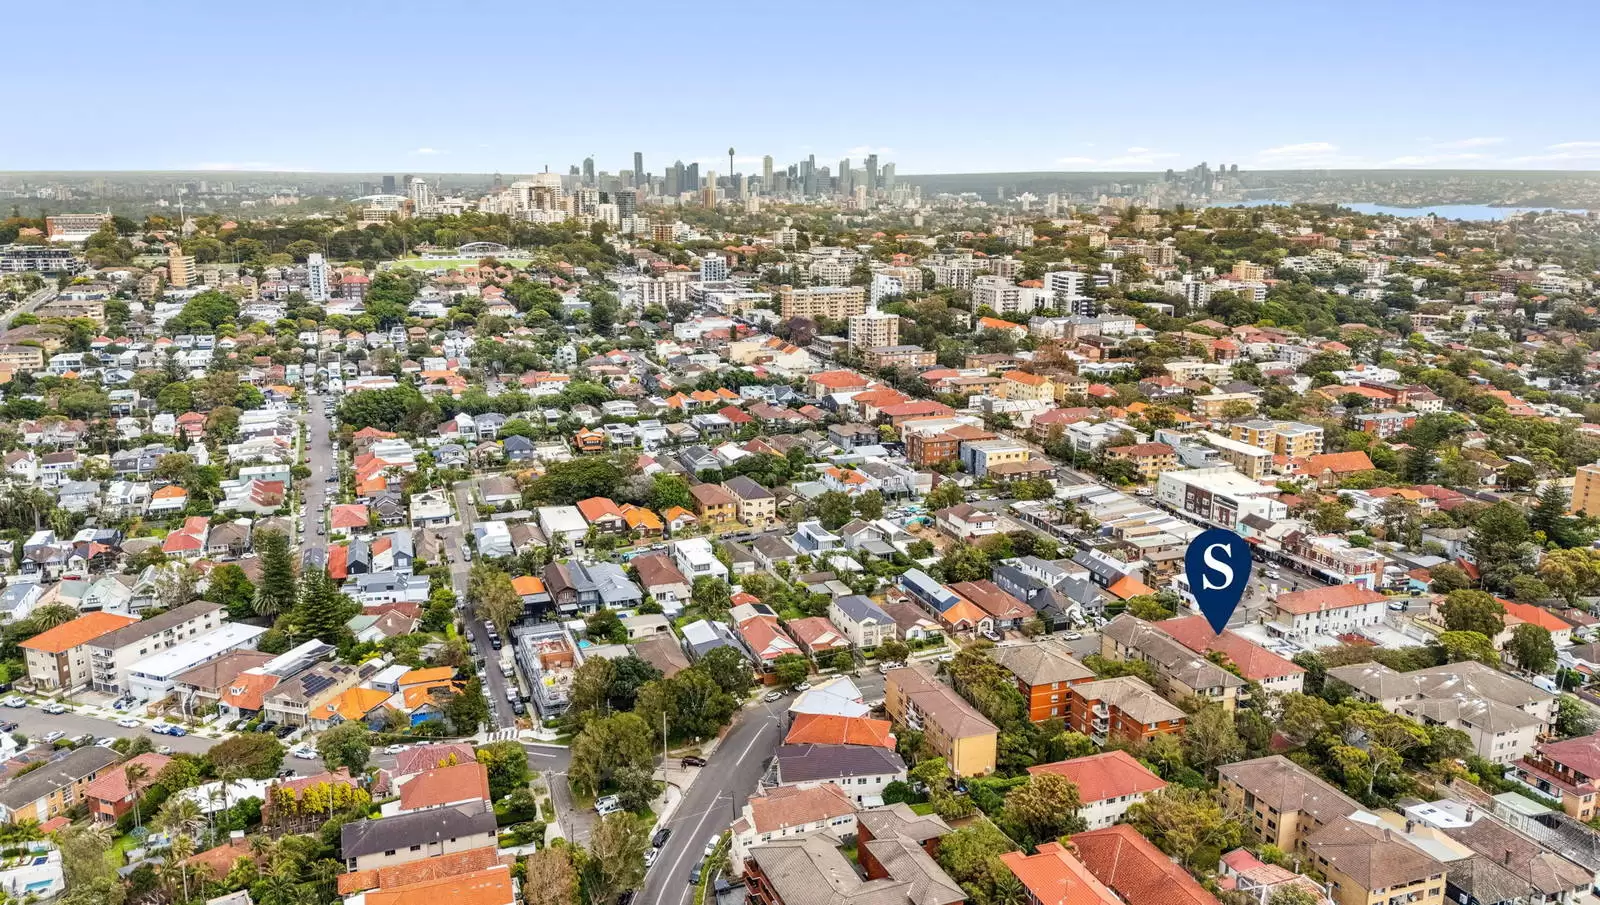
1108 784
415 836
56 787
861 620
757 506
1282 802
860 771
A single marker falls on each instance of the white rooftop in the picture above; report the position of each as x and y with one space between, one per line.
186 656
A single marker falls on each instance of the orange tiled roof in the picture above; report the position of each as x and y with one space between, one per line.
1111 774
352 704
435 674
484 887
1127 587
829 729
1054 877
443 785
526 585
68 635
248 690
596 508
640 517
437 867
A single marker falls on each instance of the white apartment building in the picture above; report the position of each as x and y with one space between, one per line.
696 558
113 654
317 275
1219 496
874 329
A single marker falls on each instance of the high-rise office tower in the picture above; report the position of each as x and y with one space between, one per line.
674 180
499 182
872 173
691 178
844 176
627 202
766 173
588 171
180 268
639 177
808 175
388 185
886 177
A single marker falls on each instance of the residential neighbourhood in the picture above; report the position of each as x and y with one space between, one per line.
796 532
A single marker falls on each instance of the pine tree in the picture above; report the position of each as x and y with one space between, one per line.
1550 516
276 593
322 610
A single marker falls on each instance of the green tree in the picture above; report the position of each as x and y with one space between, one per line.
1188 824
833 509
1531 648
1150 608
667 491
345 745
322 610
945 495
248 755
230 587
1043 808
607 745
971 856
1473 611
729 669
1211 739
869 505
893 651
712 596
1501 545
616 846
549 877
493 596
276 593
1571 573
1461 646
1447 577
1574 719
791 669
465 710
507 766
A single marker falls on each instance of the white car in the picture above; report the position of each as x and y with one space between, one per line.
129 722
1073 636
394 749
803 686
54 736
304 753
164 749
14 701
54 707
650 858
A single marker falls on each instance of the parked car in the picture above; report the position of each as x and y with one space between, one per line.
692 761
771 696
283 731
267 726
54 736
1073 636
304 753
470 639
695 872
518 708
14 701
7 726
394 749
54 707
661 837
803 686
129 722
607 805
711 844
164 749
650 857
84 739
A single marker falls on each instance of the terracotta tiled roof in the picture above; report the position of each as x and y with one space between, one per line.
113 786
68 635
437 867
1136 870
596 508
830 729
1127 587
352 704
1054 877
1313 600
1255 662
483 887
435 674
248 690
1098 777
426 757
525 585
445 785
793 806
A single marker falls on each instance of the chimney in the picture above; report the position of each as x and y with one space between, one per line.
1411 826
1471 813
1508 857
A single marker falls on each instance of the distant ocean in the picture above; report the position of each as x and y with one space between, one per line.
1448 211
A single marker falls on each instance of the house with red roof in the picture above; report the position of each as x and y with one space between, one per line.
817 636
188 541
1254 662
1054 876
832 729
441 787
603 515
348 518
1138 872
1335 610
1108 784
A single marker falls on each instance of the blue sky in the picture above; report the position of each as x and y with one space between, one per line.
352 85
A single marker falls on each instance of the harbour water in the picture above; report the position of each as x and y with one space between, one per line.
1448 211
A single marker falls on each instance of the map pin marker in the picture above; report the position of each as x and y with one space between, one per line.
1218 567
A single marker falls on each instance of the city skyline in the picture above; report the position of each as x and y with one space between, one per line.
1341 91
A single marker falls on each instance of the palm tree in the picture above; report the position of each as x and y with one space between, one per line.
133 772
178 862
53 615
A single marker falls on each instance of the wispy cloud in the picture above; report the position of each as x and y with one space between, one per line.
426 152
1476 142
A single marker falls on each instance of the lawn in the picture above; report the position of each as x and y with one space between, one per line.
116 855
923 808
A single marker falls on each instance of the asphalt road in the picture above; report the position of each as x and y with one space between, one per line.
35 723
455 540
27 306
720 791
322 464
